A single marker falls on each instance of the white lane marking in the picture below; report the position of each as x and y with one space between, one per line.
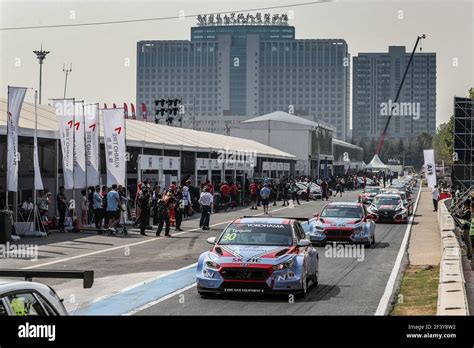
386 299
161 299
128 245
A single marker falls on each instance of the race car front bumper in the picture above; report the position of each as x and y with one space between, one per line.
391 217
281 281
339 235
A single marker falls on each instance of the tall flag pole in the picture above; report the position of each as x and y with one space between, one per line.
125 110
115 149
144 112
91 130
64 109
80 175
134 116
16 96
37 178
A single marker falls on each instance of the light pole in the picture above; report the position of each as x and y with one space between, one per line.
40 55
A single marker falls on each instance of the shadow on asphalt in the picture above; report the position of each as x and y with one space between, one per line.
381 245
320 293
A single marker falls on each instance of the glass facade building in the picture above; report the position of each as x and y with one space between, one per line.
248 70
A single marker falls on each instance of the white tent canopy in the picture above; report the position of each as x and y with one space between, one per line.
376 163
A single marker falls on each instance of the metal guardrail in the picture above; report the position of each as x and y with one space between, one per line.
452 296
28 275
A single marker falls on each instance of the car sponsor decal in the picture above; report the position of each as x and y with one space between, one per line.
235 290
231 251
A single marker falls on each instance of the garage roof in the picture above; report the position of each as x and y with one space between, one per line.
147 134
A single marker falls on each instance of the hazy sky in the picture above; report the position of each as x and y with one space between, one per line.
104 57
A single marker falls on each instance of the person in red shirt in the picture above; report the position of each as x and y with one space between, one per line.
210 187
253 195
444 195
173 187
225 194
233 194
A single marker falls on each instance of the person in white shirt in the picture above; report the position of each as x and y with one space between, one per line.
27 206
435 196
206 201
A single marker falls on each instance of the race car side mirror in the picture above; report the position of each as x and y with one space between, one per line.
211 240
303 243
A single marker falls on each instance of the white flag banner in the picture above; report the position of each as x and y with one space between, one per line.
64 109
16 95
91 114
430 167
38 180
79 147
114 139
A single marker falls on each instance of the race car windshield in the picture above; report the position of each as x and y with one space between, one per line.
342 212
386 201
257 234
372 190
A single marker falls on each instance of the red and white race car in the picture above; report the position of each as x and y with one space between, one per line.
368 194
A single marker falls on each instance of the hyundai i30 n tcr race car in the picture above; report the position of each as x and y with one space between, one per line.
407 202
342 222
368 194
259 255
388 207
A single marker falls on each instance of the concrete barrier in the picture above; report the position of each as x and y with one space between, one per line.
452 297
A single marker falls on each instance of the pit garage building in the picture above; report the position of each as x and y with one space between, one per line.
156 152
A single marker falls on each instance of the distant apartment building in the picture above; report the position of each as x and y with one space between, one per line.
248 66
376 78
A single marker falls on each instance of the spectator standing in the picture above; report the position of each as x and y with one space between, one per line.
205 200
294 193
435 196
233 189
27 207
98 208
84 207
253 195
179 207
284 193
144 202
225 194
163 216
103 193
62 207
265 195
113 208
324 189
187 201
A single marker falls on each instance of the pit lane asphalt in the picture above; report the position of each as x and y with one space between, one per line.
119 255
346 286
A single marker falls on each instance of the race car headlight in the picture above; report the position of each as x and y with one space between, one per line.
399 210
212 264
284 265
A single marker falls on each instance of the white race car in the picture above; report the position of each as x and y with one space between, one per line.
27 298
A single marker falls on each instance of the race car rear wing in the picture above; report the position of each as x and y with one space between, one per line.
87 276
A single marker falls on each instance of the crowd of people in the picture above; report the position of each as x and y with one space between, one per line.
107 208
